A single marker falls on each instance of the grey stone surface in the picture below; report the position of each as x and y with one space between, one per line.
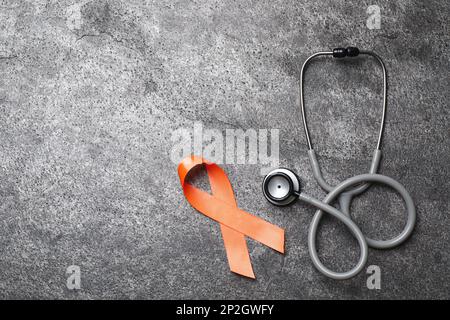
91 92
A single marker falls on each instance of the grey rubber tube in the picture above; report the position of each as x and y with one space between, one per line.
327 187
345 198
364 242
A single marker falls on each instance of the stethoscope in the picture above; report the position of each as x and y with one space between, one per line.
282 187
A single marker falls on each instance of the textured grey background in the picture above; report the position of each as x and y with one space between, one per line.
90 93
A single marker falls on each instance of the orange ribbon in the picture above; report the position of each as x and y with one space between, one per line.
235 223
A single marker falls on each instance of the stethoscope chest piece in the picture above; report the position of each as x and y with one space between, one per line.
281 187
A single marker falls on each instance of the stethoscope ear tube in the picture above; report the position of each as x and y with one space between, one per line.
340 53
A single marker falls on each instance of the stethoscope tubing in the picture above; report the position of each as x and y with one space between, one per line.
364 242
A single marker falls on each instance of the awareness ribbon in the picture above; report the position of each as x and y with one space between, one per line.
235 223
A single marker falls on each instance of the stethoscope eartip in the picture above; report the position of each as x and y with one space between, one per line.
281 187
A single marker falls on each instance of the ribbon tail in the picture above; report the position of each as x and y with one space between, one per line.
234 241
237 252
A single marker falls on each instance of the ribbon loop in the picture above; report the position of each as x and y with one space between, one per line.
235 223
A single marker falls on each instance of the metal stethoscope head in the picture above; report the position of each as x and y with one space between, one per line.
282 187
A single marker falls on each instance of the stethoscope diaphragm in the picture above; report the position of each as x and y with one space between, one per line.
281 187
